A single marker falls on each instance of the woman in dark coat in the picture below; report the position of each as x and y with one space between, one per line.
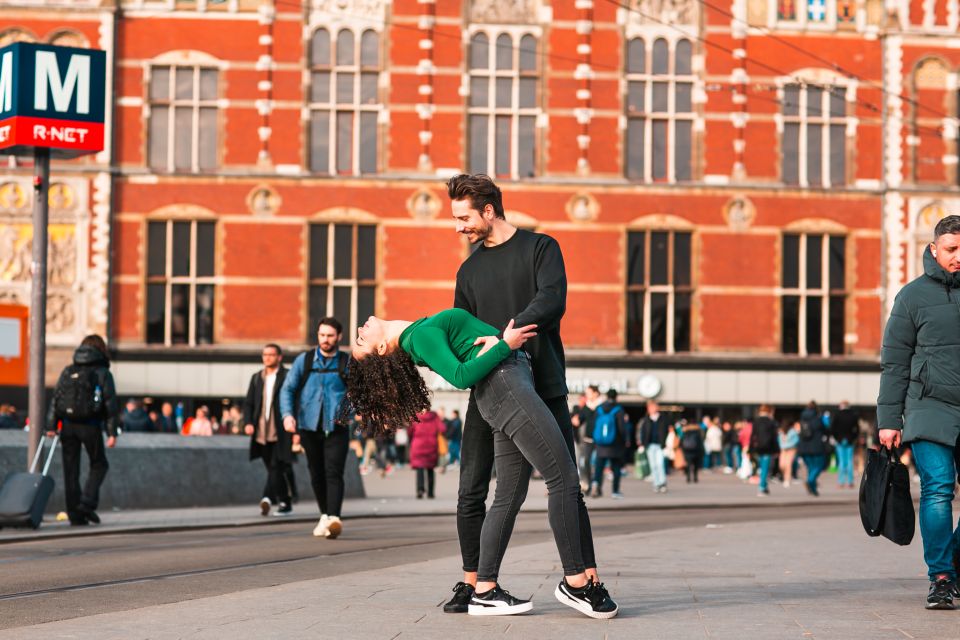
424 450
812 448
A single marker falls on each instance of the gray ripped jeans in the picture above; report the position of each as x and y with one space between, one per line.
525 436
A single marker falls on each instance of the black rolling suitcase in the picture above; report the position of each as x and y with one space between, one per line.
24 495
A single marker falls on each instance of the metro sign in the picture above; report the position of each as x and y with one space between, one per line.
52 97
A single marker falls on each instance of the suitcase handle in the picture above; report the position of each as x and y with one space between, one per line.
36 458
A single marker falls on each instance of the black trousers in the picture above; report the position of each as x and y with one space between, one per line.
693 464
426 478
276 487
326 459
73 438
476 467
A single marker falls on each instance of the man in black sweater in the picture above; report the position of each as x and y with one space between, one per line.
512 275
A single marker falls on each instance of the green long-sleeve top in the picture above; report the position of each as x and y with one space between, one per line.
444 343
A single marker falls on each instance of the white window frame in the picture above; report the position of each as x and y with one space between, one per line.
331 283
825 120
823 291
333 107
169 280
669 289
172 103
671 116
491 72
803 21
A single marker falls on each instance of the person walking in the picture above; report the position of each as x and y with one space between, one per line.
310 403
85 403
763 444
269 441
812 448
513 275
919 400
454 435
610 439
424 435
788 439
691 444
846 431
653 433
585 419
713 443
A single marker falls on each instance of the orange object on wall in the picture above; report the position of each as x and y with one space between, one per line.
13 345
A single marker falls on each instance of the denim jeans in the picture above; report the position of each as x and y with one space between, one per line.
938 466
657 468
615 465
845 463
765 459
476 467
525 435
815 466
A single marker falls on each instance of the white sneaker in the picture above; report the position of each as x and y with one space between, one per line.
265 506
320 530
334 527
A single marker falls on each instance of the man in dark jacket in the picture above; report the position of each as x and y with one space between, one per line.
269 441
845 429
919 400
653 438
763 444
609 451
512 275
812 448
85 401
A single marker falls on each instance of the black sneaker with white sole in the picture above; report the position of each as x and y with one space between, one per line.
591 599
497 602
941 593
462 592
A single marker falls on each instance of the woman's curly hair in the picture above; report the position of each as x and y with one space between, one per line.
387 391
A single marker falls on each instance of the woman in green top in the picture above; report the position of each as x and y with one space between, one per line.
386 389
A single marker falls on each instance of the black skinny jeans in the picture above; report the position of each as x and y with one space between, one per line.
276 487
426 479
326 459
73 438
526 436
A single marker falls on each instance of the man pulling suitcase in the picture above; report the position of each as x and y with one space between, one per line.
85 401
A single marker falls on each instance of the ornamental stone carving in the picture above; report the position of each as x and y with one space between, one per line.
504 11
375 9
671 12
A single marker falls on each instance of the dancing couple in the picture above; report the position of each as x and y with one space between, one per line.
502 341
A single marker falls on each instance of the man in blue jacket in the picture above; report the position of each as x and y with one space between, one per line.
309 403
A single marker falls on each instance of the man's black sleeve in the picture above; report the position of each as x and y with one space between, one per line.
110 403
248 401
547 307
460 298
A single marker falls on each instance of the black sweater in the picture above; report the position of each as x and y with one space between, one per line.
522 279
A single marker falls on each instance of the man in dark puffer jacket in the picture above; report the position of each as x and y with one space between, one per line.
919 399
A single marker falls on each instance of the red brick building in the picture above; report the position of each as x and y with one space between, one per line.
733 225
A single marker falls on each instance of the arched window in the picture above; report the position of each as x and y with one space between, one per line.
813 150
503 105
659 290
929 88
814 284
660 112
183 108
345 102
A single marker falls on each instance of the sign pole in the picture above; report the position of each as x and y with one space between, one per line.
38 300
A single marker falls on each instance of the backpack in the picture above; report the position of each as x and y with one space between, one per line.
690 440
605 426
79 394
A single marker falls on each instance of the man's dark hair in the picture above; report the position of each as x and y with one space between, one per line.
97 343
949 225
331 322
276 347
594 388
612 394
479 189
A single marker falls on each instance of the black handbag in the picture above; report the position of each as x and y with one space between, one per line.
886 507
